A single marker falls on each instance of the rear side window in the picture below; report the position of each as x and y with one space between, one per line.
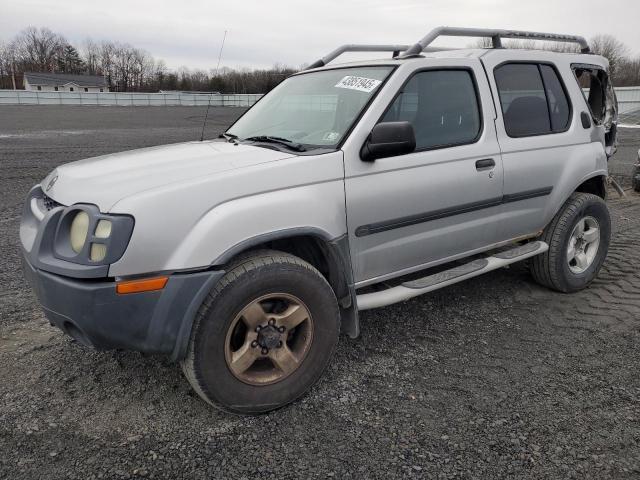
597 90
532 98
442 106
559 109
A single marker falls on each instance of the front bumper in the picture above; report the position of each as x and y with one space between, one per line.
94 314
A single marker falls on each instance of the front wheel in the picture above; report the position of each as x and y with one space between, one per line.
578 239
264 334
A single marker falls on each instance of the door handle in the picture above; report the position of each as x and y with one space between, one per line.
485 164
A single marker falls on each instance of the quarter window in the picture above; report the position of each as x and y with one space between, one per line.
442 106
597 90
533 99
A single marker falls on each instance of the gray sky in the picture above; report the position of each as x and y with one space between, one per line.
291 32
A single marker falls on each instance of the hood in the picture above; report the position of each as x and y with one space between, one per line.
106 179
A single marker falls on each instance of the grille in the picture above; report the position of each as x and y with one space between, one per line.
49 203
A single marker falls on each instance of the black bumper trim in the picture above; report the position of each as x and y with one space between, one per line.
92 312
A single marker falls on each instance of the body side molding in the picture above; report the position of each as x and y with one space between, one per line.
384 226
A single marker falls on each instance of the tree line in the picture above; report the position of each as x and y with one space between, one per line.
623 67
130 69
124 67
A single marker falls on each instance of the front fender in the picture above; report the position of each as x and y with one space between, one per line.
233 226
188 225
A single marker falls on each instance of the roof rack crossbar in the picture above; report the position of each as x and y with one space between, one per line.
495 35
396 49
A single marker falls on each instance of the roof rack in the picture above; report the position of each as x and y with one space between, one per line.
495 35
396 49
423 45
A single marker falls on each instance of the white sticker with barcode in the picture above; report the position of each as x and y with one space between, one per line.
361 84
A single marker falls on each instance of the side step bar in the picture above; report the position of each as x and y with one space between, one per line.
457 274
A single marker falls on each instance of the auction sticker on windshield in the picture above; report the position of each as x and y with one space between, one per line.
361 84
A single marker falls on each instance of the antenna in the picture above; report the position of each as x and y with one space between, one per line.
220 54
206 115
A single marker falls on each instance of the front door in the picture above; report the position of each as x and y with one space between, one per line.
440 202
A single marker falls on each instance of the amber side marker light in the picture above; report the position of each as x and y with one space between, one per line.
142 285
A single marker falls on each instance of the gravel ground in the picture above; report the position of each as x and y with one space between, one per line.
491 378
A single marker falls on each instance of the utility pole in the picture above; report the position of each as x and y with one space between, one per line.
13 74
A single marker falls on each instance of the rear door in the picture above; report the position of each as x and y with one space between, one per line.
545 149
407 212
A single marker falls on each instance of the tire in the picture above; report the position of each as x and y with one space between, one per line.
554 269
263 281
635 178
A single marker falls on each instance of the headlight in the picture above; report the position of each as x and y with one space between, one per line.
86 236
78 231
99 250
103 229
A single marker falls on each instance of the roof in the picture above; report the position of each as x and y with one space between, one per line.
64 78
516 53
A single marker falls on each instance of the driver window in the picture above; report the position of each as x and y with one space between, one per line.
442 106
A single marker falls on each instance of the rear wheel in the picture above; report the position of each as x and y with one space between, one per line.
578 239
264 335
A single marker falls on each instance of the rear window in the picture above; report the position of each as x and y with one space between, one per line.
533 99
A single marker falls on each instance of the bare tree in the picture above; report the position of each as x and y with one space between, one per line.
7 77
38 49
628 72
610 47
107 61
90 52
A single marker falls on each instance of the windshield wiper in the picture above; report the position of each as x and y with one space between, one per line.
229 136
282 141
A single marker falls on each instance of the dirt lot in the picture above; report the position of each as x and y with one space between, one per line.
492 378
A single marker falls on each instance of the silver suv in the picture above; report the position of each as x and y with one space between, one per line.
347 187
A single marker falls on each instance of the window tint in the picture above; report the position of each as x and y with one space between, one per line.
441 105
315 109
558 103
532 98
524 105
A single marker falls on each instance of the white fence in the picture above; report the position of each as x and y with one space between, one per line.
23 97
628 99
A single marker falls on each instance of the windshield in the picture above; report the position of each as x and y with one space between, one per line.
313 110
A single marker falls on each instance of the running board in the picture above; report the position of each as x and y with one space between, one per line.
457 274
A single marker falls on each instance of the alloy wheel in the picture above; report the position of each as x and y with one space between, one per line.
269 339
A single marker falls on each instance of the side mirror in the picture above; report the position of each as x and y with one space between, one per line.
389 139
